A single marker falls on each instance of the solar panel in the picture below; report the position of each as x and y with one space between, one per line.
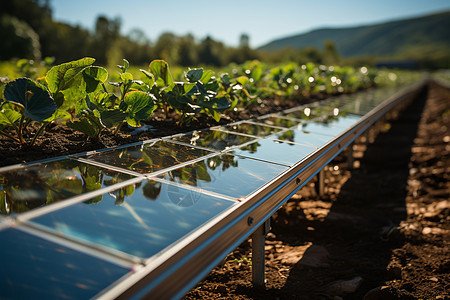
149 157
228 175
213 139
129 220
140 219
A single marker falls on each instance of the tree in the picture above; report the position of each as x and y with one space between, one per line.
187 55
18 39
244 41
167 48
106 33
211 52
330 53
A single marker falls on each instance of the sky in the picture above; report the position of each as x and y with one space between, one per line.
225 21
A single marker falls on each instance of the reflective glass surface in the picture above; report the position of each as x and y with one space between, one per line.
149 157
226 174
252 129
333 126
275 151
141 219
38 185
358 107
310 112
280 122
213 139
34 268
304 138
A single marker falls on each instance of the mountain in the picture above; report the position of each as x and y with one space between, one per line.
427 34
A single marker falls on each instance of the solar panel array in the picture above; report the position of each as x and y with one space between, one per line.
76 226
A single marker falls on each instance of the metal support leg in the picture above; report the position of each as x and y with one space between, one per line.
350 157
377 127
258 254
368 136
320 185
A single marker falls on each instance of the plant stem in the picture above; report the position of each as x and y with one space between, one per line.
9 136
104 88
19 130
38 133
116 131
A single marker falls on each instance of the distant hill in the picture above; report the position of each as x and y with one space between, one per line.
410 37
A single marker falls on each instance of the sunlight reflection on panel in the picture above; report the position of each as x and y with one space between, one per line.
251 129
140 219
332 126
298 136
39 185
150 157
213 139
226 174
280 122
275 151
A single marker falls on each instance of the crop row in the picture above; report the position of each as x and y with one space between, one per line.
80 95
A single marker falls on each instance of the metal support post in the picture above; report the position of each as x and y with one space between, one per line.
258 254
368 139
377 128
320 184
350 157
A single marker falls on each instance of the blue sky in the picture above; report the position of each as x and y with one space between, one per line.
225 21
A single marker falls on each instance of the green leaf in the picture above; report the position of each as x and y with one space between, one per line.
112 117
188 87
126 77
75 93
92 183
129 190
94 200
221 103
206 77
126 65
140 106
85 126
94 76
242 80
226 79
201 172
194 75
8 116
33 96
60 77
148 79
5 207
160 69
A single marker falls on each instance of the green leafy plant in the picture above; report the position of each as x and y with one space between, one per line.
75 93
27 101
197 95
103 110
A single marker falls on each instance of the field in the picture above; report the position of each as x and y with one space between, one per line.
382 226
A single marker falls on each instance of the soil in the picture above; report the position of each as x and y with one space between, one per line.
380 231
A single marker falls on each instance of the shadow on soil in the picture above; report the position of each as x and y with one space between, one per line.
357 237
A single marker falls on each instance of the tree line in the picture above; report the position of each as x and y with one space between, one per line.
27 30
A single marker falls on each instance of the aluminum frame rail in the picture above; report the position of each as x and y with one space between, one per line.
171 272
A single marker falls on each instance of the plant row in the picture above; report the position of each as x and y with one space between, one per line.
79 94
